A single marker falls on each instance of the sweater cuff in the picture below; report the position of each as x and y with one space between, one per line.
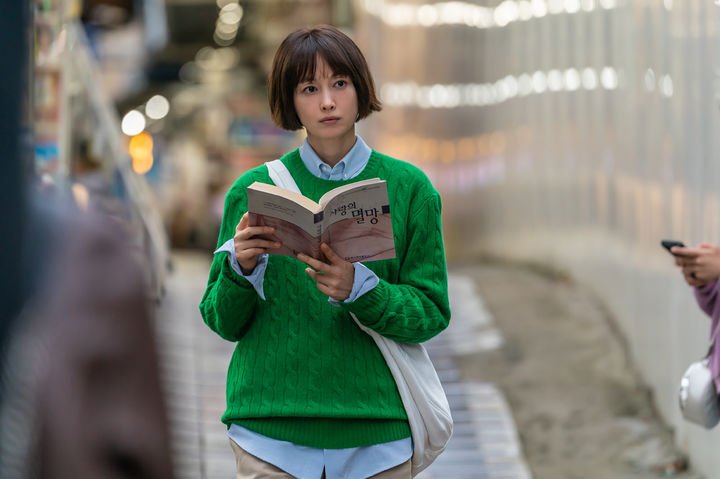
708 288
257 277
370 306
228 274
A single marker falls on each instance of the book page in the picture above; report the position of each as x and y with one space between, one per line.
271 201
294 240
366 238
325 199
356 200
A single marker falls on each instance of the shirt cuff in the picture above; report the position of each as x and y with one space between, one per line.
364 281
256 277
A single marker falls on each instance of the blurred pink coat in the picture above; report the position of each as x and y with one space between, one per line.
707 299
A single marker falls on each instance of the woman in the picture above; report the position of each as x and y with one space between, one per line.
309 395
701 269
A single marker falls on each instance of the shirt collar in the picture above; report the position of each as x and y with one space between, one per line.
348 167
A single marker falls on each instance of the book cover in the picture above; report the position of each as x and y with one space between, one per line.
354 220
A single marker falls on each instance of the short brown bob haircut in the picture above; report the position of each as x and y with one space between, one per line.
295 62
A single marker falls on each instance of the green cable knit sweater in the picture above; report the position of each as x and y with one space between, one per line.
302 371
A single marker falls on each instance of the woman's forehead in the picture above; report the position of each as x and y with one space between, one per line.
322 69
319 69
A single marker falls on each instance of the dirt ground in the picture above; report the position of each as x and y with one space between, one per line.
568 379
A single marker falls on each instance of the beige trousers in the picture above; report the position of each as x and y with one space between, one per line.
250 467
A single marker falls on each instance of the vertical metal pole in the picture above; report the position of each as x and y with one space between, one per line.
13 31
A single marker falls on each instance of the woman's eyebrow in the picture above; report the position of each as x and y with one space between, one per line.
332 76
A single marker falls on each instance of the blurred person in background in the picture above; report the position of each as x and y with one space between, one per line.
309 394
81 393
700 267
79 386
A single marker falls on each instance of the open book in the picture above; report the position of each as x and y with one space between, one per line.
354 220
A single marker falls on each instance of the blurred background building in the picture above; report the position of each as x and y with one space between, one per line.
576 133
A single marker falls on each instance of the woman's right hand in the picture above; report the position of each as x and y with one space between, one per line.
700 265
248 247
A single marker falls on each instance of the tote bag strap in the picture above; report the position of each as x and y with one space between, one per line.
281 176
713 340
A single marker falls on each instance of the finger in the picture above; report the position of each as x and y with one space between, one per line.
315 275
242 224
325 289
684 252
251 231
326 279
332 292
257 243
331 255
687 262
315 264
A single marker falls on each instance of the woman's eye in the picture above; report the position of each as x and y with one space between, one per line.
309 89
341 83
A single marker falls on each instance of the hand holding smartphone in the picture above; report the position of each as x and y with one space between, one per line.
668 244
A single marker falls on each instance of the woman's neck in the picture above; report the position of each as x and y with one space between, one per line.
332 151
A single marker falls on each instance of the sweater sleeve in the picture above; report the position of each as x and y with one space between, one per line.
706 298
229 301
416 308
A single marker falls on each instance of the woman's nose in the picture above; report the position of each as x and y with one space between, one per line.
328 104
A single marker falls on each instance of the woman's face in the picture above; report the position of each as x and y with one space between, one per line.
327 105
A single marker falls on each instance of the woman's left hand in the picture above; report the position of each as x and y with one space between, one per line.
334 278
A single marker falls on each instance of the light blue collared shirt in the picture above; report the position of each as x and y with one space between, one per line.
307 462
348 167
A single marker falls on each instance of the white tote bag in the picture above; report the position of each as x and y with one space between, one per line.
422 395
699 399
417 381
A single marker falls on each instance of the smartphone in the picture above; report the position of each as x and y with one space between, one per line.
667 244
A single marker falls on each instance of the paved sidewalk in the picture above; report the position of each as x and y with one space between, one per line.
484 444
194 360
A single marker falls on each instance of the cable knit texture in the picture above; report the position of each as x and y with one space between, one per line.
302 371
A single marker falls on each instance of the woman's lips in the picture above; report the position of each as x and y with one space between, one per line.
331 120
